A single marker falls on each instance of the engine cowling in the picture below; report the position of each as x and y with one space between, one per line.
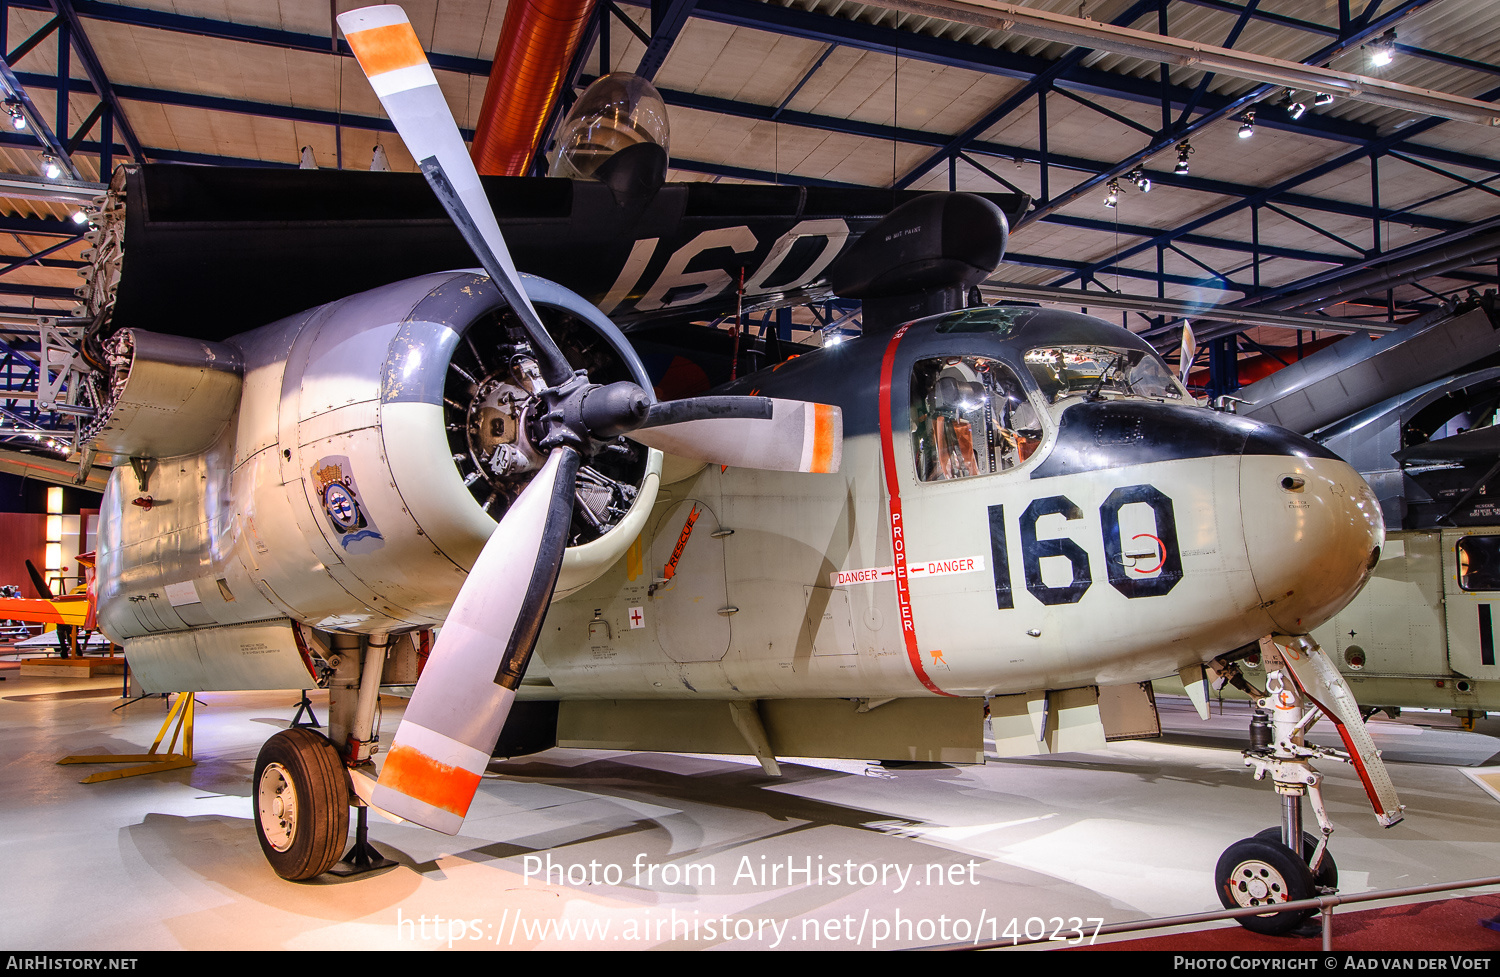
375 448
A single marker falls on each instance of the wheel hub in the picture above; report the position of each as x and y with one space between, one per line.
276 804
1257 884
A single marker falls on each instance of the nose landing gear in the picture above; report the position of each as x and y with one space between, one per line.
1285 864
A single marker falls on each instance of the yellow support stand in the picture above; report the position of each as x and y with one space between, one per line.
179 719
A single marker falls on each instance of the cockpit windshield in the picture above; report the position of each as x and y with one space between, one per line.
1092 371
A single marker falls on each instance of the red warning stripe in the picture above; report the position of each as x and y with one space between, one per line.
1359 763
413 773
898 533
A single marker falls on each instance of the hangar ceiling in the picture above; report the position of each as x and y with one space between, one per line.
1349 209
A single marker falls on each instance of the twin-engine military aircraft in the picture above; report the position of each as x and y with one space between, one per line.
989 503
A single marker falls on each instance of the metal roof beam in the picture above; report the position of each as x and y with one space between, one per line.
1053 262
1039 84
1329 30
38 291
1172 307
37 225
28 45
723 106
224 30
762 16
869 37
38 256
79 41
668 17
1167 137
40 131
1046 25
1201 240
1267 193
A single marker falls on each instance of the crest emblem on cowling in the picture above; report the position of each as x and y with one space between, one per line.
333 481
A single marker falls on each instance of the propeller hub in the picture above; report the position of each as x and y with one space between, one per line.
614 409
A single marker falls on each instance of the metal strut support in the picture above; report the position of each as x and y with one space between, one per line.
1301 685
179 720
1288 761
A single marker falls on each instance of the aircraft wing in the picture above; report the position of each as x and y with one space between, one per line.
1480 444
198 237
72 609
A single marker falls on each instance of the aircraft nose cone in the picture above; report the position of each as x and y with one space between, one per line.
1313 529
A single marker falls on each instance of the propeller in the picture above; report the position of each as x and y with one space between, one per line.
38 581
460 704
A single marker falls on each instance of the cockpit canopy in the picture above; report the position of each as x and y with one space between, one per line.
978 415
1062 371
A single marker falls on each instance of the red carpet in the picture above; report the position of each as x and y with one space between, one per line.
1449 924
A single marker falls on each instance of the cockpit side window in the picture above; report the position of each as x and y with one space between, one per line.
970 416
1479 562
1091 371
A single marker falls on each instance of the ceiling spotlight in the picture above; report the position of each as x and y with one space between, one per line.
51 168
1247 127
79 217
1139 178
1321 99
1383 49
1112 199
17 120
1184 150
1294 109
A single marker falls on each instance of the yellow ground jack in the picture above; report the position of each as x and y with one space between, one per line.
179 720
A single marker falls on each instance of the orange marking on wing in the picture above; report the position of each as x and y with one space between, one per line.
417 775
60 610
822 460
388 48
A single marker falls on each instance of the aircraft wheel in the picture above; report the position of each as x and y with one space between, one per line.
1328 875
301 804
1257 872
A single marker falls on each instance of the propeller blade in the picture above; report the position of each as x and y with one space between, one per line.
460 703
38 581
748 432
392 58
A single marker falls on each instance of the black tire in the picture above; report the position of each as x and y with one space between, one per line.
1256 872
300 801
1328 874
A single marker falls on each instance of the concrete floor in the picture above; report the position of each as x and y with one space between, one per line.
171 860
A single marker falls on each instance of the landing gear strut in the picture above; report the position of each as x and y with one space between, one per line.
302 788
1285 864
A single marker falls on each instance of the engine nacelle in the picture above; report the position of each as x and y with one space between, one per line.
375 447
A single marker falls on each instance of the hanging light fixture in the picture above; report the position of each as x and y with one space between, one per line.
1139 178
51 168
1321 99
1383 49
17 119
1293 109
1184 150
1112 199
1247 127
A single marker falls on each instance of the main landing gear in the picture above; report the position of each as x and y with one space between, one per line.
1285 864
301 803
302 790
